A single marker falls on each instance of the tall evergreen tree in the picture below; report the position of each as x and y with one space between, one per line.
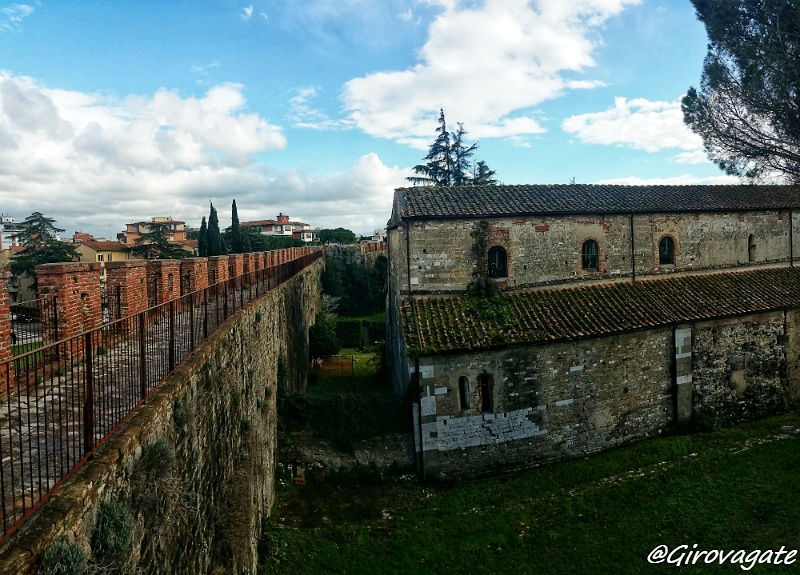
483 176
449 161
39 237
237 244
202 239
216 245
747 109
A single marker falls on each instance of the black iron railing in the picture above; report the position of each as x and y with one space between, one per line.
64 399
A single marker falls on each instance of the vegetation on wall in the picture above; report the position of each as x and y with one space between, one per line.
322 339
361 290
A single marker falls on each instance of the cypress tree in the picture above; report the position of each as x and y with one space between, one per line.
237 245
202 239
215 244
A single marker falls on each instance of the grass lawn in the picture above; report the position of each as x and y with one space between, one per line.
729 490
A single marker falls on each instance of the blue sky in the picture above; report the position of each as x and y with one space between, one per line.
115 111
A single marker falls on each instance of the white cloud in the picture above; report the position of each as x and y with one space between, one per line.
95 162
488 64
11 17
639 124
303 115
682 180
247 12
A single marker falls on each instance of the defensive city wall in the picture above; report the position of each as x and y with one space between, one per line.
183 484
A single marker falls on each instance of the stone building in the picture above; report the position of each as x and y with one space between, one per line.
532 323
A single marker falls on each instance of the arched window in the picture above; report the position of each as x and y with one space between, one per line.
751 248
666 251
463 392
487 402
497 263
589 256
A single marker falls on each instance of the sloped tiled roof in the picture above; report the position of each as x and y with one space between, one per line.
105 246
488 201
457 323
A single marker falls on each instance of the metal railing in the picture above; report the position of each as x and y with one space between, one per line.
65 399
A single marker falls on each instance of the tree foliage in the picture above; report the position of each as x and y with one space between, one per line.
155 244
39 237
450 161
747 109
337 236
239 242
216 245
202 239
322 338
360 290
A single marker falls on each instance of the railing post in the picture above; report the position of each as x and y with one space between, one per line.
191 301
142 358
171 335
205 313
88 405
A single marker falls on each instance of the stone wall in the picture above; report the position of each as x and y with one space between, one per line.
194 468
447 255
510 408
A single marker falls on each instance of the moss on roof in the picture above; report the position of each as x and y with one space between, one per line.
461 323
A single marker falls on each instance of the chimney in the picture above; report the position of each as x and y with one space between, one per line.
282 219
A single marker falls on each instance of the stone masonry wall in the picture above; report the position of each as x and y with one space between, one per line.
549 402
198 507
445 255
575 398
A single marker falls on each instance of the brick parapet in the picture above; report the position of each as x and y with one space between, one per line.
194 275
236 267
6 353
126 288
76 289
164 280
217 269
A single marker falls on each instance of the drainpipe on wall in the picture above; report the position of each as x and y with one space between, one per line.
633 252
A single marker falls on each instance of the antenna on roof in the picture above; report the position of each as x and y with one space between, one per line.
572 180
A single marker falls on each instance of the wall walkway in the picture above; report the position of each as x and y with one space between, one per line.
92 413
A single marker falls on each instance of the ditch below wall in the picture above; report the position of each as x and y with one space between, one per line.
192 472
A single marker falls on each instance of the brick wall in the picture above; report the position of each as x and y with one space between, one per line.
194 275
76 288
163 280
6 353
126 286
217 269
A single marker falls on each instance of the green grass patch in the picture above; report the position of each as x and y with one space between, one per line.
367 377
728 490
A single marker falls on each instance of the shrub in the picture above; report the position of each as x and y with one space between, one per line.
111 538
62 558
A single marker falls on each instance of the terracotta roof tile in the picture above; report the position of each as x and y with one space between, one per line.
457 323
489 201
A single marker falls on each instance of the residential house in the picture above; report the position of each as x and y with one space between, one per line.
282 226
177 230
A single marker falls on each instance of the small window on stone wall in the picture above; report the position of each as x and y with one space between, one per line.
751 248
463 392
497 262
590 256
487 402
666 251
